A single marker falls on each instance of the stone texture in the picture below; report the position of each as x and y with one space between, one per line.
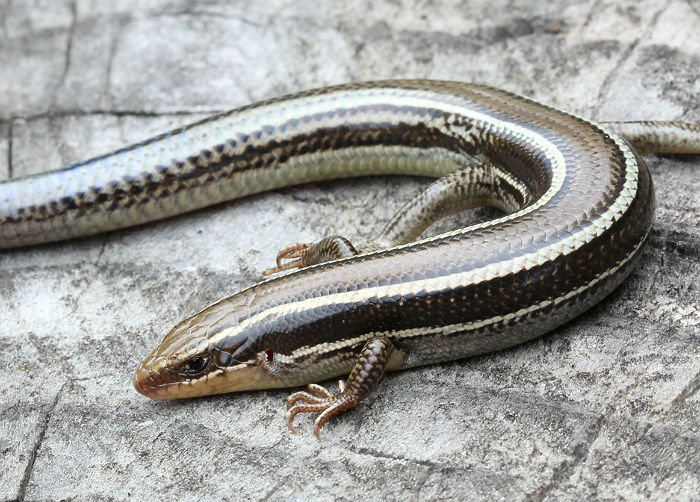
605 408
5 151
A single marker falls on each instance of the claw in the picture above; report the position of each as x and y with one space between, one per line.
365 375
301 408
295 253
320 390
317 400
305 255
305 397
322 401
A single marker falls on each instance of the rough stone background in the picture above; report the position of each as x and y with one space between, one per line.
605 408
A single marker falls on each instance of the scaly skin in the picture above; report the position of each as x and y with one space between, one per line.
579 201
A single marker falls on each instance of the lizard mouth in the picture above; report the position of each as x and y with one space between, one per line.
168 384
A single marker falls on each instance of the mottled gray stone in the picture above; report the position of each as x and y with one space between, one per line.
605 408
5 151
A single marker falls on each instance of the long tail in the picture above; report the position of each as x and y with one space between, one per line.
651 136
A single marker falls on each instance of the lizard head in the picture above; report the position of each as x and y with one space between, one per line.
209 353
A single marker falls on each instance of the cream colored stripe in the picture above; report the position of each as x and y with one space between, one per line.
325 347
309 106
482 274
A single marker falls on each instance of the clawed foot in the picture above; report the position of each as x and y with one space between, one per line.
295 253
304 255
317 400
365 375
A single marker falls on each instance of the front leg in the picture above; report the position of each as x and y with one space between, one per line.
305 255
366 374
479 183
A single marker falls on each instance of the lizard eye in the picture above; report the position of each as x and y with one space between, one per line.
196 364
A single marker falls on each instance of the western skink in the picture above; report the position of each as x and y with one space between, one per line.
577 201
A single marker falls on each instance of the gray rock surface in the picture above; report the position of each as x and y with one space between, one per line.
605 408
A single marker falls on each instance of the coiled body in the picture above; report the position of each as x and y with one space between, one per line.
579 201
